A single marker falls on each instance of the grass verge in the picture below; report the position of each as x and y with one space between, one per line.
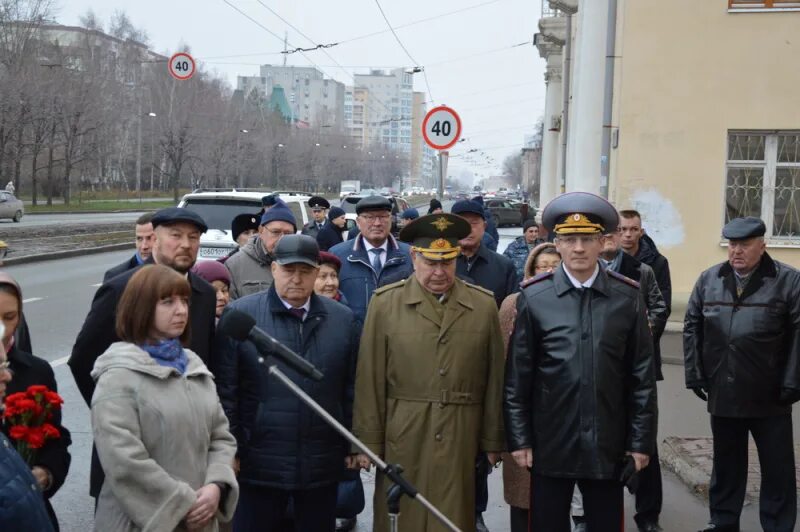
100 206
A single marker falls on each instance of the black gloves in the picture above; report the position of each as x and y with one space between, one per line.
700 392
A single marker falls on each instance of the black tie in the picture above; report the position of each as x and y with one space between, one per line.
298 312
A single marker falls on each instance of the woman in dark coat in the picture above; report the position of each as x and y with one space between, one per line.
53 459
331 232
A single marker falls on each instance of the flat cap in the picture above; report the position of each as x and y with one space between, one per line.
580 212
244 222
467 206
744 228
173 215
293 249
436 236
373 203
318 202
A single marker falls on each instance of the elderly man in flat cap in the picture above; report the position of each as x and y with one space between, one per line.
580 397
741 342
429 379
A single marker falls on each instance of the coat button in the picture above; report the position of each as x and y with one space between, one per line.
438 436
442 372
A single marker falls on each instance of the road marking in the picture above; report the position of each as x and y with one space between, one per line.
32 299
59 362
96 285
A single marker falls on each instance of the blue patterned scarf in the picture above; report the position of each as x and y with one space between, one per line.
168 353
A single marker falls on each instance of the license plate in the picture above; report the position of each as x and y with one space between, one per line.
214 252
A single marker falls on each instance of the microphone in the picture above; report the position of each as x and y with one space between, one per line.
241 326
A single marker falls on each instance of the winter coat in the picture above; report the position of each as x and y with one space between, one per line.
357 278
282 443
580 379
329 236
657 311
744 350
160 436
311 229
648 253
251 269
129 264
21 503
491 228
491 271
53 456
428 394
518 252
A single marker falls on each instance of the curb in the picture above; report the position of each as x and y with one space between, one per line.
670 457
66 254
84 212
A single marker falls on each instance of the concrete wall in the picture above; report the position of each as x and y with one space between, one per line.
689 72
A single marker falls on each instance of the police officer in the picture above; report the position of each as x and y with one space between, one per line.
319 206
429 379
741 341
580 398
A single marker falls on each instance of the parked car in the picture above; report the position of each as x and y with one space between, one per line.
398 206
219 207
10 206
509 212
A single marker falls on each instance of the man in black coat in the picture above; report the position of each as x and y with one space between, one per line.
331 232
637 243
741 345
580 399
287 451
177 241
144 247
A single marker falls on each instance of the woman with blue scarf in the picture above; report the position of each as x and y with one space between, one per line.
159 429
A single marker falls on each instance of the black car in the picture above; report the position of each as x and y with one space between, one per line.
509 212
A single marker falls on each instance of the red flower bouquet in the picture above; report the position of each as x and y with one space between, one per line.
28 415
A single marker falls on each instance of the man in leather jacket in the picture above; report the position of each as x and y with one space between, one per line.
741 343
580 397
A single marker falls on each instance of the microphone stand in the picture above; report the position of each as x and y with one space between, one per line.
392 471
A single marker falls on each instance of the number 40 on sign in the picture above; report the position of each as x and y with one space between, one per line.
181 66
441 128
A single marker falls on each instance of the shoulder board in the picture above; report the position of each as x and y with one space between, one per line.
388 287
535 279
620 277
480 288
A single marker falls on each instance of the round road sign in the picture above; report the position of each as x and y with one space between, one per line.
441 127
181 66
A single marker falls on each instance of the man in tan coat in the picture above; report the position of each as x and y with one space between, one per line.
429 379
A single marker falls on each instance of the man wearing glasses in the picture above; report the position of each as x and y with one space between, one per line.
580 397
374 258
251 268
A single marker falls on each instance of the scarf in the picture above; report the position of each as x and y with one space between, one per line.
168 353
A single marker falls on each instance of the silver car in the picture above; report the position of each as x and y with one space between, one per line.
10 206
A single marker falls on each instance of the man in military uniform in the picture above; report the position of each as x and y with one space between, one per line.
429 379
741 342
319 207
580 398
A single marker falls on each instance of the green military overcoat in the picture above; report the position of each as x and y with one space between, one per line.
428 396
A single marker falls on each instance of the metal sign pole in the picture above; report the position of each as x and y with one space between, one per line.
444 156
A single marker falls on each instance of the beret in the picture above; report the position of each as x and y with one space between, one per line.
211 271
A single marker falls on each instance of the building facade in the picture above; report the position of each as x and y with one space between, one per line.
698 124
390 108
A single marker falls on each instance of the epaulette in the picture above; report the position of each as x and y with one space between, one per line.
388 287
535 279
480 288
620 277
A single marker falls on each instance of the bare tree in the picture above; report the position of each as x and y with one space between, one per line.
90 21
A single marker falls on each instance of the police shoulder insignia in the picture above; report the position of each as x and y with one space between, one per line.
535 279
388 287
620 277
480 288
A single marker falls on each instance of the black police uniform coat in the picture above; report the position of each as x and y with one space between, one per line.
580 379
744 350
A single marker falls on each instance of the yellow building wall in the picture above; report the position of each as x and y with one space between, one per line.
688 72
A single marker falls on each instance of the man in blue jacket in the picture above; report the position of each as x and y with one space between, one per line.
286 451
374 258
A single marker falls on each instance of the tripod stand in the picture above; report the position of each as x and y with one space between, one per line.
392 471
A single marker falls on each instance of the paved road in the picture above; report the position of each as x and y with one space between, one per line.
39 220
57 298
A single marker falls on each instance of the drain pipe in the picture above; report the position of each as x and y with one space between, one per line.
608 105
566 79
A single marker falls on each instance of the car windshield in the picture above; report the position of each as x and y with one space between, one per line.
349 203
219 213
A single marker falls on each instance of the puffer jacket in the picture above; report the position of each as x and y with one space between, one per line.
251 269
744 350
21 503
282 443
160 437
357 278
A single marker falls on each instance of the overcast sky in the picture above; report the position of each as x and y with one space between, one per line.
497 89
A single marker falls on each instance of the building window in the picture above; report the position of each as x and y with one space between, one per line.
763 5
764 180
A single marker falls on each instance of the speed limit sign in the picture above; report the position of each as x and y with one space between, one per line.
441 128
181 66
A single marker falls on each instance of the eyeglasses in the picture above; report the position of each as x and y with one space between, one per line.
372 218
277 234
572 239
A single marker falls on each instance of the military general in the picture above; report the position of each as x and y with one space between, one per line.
580 398
429 379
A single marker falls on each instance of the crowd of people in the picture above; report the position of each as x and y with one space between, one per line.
439 353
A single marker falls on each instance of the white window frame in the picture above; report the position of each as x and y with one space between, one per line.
770 166
763 7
